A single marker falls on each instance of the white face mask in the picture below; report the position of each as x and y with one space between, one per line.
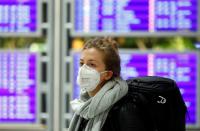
88 78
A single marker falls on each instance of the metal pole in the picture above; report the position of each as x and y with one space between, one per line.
57 65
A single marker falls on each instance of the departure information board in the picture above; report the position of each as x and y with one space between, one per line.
181 67
18 88
135 16
19 17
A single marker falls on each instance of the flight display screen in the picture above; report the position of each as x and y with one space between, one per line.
135 16
19 17
18 87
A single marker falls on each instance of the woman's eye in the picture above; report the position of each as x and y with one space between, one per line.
91 65
80 64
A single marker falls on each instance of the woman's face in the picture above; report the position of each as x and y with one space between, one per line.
94 59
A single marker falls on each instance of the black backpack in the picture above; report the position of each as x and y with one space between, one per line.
159 101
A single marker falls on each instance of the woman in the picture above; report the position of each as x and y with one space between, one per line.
99 107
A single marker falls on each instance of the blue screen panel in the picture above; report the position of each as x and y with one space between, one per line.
129 16
18 87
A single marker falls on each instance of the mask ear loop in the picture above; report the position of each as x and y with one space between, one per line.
104 81
103 72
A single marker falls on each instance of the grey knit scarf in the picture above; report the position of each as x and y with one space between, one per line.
95 109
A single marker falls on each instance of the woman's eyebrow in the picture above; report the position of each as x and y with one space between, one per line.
88 60
92 60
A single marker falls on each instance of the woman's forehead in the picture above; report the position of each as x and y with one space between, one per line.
91 54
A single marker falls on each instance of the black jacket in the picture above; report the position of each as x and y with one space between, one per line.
124 116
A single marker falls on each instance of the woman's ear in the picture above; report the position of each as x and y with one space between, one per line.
108 75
